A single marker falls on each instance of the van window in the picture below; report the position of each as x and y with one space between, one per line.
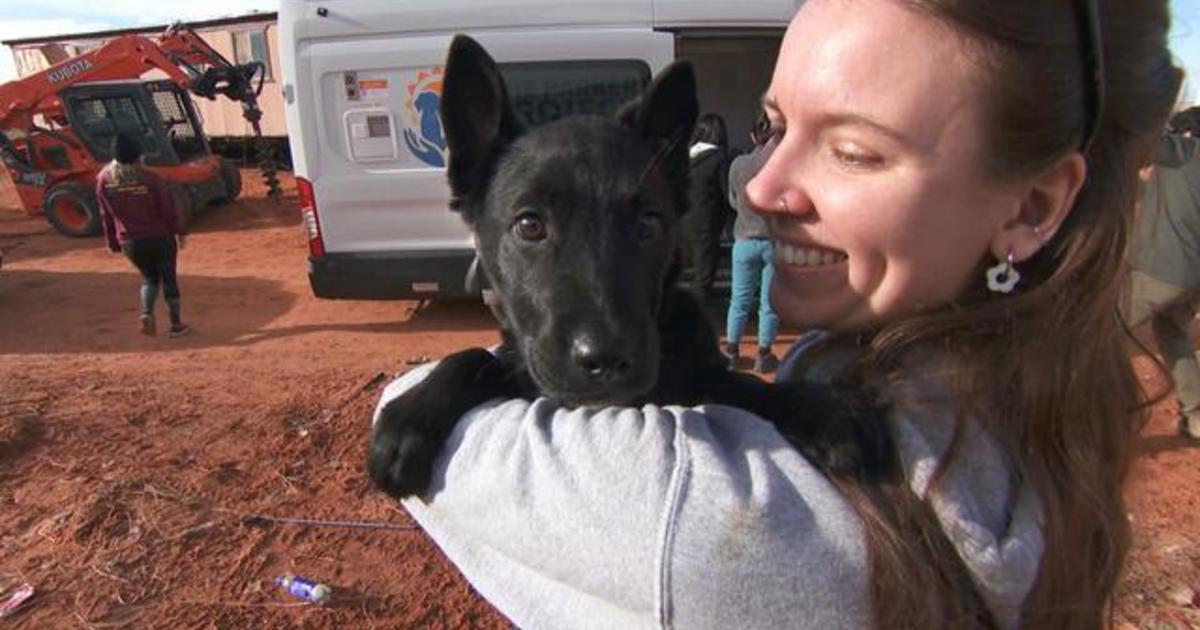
544 91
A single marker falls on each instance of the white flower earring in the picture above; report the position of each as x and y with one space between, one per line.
1003 276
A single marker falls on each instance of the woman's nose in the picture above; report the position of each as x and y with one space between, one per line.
773 189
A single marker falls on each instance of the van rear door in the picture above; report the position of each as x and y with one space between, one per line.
377 166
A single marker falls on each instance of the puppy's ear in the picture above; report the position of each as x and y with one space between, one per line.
665 113
476 117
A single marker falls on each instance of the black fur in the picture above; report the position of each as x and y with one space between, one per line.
589 308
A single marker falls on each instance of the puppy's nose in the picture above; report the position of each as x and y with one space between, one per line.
598 364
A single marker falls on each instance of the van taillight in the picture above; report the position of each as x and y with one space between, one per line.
308 212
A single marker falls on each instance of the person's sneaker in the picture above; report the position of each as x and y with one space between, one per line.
179 330
146 324
731 354
765 362
1189 427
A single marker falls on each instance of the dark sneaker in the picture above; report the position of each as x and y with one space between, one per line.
1189 427
146 324
765 363
179 330
731 354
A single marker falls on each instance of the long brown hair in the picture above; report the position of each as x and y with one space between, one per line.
1046 370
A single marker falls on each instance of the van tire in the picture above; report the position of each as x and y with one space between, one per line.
231 178
72 209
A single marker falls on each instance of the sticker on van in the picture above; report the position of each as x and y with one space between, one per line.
422 126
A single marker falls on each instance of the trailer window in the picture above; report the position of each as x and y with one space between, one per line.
184 137
541 92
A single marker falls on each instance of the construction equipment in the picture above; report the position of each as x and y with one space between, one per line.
57 126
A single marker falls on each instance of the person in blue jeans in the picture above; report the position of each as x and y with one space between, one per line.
751 266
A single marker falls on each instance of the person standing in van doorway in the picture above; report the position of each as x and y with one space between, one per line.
1165 280
709 210
142 221
751 266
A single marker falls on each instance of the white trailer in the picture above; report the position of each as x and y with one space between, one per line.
362 83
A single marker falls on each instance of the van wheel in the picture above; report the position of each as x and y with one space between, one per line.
231 178
72 210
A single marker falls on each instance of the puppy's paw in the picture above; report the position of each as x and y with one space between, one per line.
841 431
402 456
413 427
839 455
857 445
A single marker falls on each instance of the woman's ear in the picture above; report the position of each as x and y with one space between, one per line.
1045 200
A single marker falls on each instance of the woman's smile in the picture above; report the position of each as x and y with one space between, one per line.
806 255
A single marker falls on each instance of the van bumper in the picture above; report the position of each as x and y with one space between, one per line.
391 275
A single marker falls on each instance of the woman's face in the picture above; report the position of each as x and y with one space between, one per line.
873 186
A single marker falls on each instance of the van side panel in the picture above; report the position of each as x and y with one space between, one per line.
362 84
398 200
724 14
354 20
366 133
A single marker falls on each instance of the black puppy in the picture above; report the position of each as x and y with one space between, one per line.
575 224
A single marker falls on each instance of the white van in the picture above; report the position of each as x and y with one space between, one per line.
362 83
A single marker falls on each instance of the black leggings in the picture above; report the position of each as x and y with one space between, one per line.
154 258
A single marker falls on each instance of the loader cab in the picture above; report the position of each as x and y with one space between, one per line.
159 114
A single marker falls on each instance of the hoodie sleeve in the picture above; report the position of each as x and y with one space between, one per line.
106 215
641 517
723 181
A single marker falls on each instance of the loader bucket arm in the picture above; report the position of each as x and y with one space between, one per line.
125 57
212 74
187 60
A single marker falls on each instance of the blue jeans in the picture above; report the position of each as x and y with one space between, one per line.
752 272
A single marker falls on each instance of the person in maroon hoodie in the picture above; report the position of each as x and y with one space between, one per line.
142 221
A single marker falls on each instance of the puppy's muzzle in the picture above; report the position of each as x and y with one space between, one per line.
598 365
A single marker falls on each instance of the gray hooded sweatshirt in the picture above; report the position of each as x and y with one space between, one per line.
703 517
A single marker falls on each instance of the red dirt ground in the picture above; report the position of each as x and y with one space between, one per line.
129 463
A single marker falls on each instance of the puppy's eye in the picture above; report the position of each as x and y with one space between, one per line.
529 227
650 227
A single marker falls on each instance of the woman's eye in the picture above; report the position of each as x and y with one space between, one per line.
856 158
774 133
529 227
649 227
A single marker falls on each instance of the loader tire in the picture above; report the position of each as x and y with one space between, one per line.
72 209
231 178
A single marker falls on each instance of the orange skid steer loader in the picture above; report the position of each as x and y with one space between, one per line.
57 126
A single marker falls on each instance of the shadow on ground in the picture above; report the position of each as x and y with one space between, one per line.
247 214
70 312
44 312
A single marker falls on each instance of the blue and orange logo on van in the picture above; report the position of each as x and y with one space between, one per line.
422 127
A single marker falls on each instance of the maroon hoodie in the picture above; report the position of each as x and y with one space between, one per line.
142 209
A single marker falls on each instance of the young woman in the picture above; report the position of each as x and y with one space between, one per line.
949 190
1165 279
751 265
708 209
141 220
